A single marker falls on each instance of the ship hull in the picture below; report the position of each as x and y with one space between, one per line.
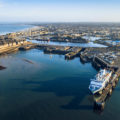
99 91
96 87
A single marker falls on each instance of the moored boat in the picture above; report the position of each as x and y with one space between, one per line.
100 81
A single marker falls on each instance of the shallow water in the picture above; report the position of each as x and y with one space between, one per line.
49 88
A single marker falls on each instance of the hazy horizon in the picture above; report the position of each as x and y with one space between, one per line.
59 11
54 22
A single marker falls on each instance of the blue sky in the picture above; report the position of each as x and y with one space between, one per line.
59 10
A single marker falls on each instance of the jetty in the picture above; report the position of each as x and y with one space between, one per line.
99 102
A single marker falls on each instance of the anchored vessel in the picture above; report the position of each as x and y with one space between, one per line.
100 81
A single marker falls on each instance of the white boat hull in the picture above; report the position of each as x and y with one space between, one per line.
97 85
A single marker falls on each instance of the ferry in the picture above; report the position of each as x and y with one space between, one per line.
100 81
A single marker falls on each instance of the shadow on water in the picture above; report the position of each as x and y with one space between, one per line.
70 86
2 67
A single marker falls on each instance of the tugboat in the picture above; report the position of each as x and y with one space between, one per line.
100 81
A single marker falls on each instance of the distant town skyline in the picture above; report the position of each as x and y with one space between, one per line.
59 11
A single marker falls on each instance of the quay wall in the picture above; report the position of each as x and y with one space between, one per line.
11 47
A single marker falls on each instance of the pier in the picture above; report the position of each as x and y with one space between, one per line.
100 59
99 103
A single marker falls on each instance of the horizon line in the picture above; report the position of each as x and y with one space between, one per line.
36 22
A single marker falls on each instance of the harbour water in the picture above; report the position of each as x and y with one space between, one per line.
49 88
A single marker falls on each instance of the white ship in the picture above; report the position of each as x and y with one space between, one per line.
100 81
